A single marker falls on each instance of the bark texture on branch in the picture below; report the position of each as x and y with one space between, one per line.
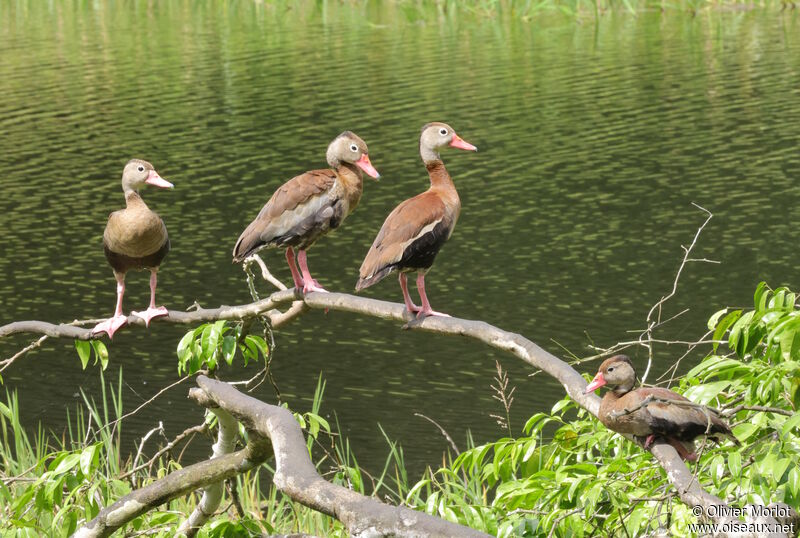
295 475
199 315
228 431
681 478
677 473
174 485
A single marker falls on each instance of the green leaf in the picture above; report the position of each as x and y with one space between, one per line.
84 351
228 349
712 321
184 349
101 352
743 431
793 481
67 463
760 296
791 423
735 464
705 393
87 459
723 325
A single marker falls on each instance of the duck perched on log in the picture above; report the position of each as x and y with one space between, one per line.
413 233
653 412
308 206
135 238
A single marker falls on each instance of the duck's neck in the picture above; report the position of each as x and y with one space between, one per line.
615 394
440 178
351 176
350 171
428 154
132 199
351 179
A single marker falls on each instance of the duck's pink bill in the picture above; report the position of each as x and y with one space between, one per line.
367 167
460 143
157 181
596 383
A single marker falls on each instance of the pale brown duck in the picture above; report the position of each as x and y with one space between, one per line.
135 238
629 411
309 206
416 230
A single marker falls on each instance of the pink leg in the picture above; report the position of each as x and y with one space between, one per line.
309 284
113 324
649 440
410 306
152 311
298 280
426 306
685 454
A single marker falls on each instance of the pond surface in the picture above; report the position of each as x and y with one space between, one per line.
594 141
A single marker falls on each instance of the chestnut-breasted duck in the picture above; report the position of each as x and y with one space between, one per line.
647 412
415 230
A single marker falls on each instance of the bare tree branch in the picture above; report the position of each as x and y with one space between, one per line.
295 475
174 485
199 315
574 385
678 474
212 496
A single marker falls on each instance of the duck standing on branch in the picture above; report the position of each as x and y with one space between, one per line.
308 206
653 412
414 232
135 238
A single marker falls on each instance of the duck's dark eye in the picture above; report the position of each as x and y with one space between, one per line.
353 148
141 168
610 369
443 132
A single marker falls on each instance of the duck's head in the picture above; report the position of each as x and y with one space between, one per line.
138 173
436 136
349 148
616 373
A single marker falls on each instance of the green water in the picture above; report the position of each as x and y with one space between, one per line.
594 140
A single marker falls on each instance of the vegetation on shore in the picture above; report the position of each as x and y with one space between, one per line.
526 9
564 469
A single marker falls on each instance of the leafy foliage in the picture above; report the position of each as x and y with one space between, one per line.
209 343
88 347
585 473
566 475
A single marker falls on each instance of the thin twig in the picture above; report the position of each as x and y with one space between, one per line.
444 432
265 274
35 344
200 428
656 309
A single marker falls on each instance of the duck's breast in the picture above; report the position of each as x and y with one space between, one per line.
625 414
135 238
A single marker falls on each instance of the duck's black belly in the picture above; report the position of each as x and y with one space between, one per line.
420 254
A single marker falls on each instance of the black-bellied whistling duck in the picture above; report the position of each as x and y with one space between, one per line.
648 413
308 206
414 232
135 238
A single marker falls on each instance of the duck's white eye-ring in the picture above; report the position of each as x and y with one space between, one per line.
141 168
443 131
353 148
